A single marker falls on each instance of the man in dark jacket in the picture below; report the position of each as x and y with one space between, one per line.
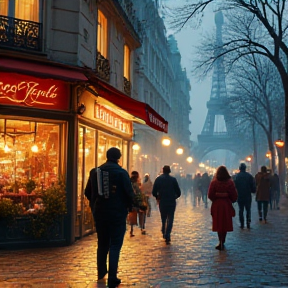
110 193
245 185
166 190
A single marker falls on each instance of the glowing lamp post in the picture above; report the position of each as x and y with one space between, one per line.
166 141
180 151
136 147
189 159
280 145
249 160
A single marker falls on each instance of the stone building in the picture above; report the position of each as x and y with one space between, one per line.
77 77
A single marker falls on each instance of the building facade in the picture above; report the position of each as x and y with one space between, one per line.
77 77
66 80
160 81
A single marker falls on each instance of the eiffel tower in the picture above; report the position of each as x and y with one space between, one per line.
219 130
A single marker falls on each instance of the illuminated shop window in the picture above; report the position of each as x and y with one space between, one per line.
102 34
105 142
126 62
30 153
21 9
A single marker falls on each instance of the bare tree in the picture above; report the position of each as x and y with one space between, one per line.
256 97
260 19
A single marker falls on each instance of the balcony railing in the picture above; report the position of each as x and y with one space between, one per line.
127 86
102 67
19 33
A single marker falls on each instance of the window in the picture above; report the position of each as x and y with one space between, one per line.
4 7
86 161
126 62
21 9
102 34
27 10
30 152
105 142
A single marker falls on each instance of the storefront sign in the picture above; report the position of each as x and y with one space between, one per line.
112 119
28 91
155 120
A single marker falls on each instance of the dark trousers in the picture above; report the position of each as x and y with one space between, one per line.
222 237
167 218
246 204
263 204
110 235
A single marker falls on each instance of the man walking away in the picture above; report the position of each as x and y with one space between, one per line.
245 185
110 193
263 186
166 190
205 183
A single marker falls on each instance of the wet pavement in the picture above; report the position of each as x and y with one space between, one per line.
252 258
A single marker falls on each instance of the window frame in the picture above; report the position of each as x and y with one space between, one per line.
12 11
126 62
102 34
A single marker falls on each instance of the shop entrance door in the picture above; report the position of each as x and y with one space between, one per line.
86 161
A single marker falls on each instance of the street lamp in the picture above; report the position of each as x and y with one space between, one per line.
166 141
249 160
279 143
180 151
136 147
189 159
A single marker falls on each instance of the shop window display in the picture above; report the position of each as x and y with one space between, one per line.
29 161
105 142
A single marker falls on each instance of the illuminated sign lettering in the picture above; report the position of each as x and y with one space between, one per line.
23 90
153 119
112 119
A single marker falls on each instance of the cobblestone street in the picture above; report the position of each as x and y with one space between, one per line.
252 258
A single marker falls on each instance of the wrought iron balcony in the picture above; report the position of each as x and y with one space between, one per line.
19 33
127 86
102 67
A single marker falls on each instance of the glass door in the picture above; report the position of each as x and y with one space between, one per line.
86 162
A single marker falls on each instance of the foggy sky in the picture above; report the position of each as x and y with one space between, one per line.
188 38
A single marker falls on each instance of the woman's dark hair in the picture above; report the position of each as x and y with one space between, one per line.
264 169
222 174
134 176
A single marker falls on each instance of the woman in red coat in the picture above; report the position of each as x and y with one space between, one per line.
222 193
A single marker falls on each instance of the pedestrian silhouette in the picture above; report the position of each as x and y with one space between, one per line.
275 192
166 190
197 193
110 194
222 193
140 204
205 182
245 185
146 188
263 186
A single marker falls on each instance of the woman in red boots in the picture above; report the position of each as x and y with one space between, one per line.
222 193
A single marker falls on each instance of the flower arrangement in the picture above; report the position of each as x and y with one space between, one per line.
54 208
9 211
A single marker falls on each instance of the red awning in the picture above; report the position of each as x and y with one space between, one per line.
136 108
41 70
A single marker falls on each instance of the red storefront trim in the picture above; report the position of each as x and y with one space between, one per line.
134 107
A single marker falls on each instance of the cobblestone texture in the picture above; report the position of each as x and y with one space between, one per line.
253 258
